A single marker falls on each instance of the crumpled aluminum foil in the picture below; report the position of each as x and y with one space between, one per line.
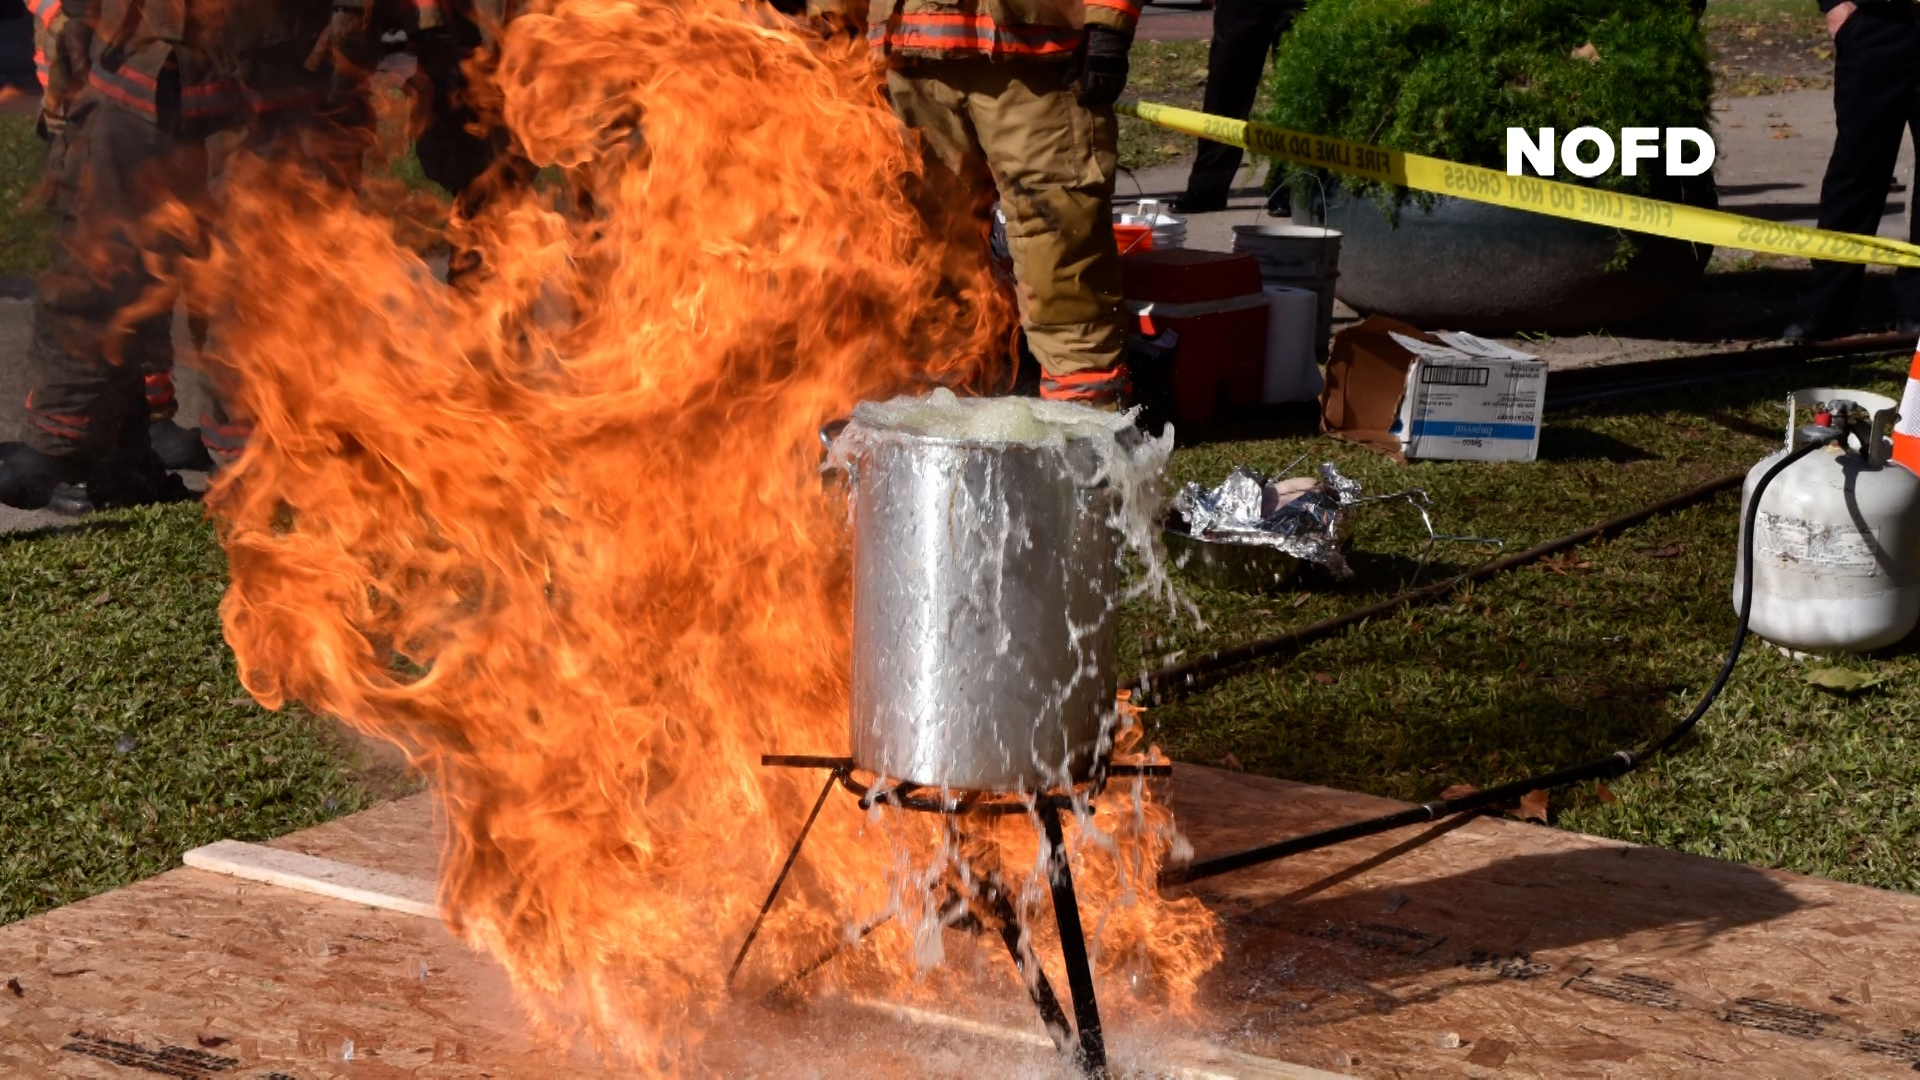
1247 508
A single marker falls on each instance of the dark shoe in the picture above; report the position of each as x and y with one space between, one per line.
1190 202
70 499
28 478
178 447
1280 202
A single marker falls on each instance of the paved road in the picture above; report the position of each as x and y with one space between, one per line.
1183 21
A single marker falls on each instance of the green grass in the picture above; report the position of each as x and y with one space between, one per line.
1557 663
1166 73
25 228
125 737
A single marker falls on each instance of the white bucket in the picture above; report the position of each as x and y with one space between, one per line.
1291 371
1299 256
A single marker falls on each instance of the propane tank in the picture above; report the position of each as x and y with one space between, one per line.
1836 544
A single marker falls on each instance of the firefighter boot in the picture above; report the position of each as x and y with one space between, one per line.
179 447
29 478
131 474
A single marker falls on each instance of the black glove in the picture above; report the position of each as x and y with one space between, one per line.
1105 73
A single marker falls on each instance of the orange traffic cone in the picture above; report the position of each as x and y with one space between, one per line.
1906 433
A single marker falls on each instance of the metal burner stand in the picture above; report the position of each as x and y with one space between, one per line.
988 896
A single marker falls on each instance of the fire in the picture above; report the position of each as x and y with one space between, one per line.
560 533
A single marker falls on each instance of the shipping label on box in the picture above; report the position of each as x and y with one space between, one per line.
1471 400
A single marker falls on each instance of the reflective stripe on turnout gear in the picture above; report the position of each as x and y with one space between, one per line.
67 427
199 101
159 389
224 439
972 33
991 29
44 10
1092 384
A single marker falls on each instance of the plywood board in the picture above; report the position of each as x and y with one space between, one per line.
321 877
1494 948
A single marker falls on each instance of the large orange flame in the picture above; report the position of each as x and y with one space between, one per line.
560 533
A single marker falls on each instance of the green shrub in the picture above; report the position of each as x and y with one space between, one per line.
1447 78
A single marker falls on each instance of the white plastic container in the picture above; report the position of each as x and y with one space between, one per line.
1297 256
1291 373
1836 543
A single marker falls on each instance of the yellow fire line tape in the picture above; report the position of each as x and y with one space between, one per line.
1529 193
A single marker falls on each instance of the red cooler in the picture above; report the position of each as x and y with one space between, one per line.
1213 302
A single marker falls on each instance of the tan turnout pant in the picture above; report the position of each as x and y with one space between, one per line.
1020 124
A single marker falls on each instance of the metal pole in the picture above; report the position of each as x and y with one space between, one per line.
774 893
994 897
1092 1058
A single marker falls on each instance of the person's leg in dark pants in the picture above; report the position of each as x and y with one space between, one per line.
1906 280
1876 79
87 406
1244 33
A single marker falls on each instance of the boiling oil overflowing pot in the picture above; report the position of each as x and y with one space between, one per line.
985 582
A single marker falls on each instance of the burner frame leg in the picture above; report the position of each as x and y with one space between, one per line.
993 896
1092 1055
786 868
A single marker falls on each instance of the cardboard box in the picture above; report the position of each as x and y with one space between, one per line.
1444 396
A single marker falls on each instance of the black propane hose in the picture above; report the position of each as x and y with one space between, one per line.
1618 763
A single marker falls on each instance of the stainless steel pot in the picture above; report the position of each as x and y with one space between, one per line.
985 577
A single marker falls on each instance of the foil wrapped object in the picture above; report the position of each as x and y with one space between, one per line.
1303 517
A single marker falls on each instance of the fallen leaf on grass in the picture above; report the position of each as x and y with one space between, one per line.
1324 678
1533 807
1564 562
1606 793
1842 680
1231 762
1588 52
1662 551
1458 790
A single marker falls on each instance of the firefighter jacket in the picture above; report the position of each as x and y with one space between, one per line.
997 29
231 59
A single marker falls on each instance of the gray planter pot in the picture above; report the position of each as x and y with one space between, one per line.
1470 266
